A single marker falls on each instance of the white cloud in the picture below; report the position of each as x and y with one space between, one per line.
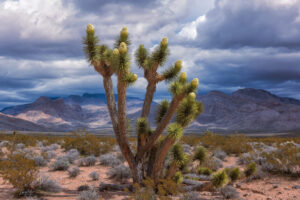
189 31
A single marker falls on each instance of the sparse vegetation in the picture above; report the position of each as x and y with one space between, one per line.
251 169
74 172
19 172
120 173
61 163
109 159
94 176
219 179
204 171
234 174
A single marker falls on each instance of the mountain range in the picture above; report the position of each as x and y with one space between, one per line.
246 110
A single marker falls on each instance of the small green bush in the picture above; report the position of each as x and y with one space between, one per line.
220 179
235 174
251 169
178 178
200 154
204 171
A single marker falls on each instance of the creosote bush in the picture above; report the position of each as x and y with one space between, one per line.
20 172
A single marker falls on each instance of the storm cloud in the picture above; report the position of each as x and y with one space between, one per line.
227 44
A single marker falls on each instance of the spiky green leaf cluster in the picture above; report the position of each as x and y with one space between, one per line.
142 126
178 178
123 37
175 131
173 71
160 54
141 55
181 86
178 154
200 154
129 78
220 179
188 110
162 108
91 48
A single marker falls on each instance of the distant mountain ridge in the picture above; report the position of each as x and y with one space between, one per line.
245 110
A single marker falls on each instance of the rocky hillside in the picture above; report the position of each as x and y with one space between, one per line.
246 110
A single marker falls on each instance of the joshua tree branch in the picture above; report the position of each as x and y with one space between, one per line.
162 125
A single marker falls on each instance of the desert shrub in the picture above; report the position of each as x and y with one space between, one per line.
109 160
73 172
212 163
20 172
85 143
219 179
40 161
44 183
20 146
204 171
83 188
90 160
72 155
60 164
200 154
186 148
50 155
52 147
251 169
162 190
87 161
94 176
191 196
88 195
167 187
178 178
232 144
120 172
230 192
234 174
219 153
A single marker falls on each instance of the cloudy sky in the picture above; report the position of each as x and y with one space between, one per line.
227 44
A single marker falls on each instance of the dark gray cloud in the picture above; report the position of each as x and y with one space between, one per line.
263 23
227 44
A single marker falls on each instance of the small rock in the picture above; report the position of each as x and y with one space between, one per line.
279 192
238 185
296 187
268 198
275 186
245 195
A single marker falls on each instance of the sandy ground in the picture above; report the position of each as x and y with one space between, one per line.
270 188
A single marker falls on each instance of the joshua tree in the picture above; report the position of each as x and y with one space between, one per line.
153 145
